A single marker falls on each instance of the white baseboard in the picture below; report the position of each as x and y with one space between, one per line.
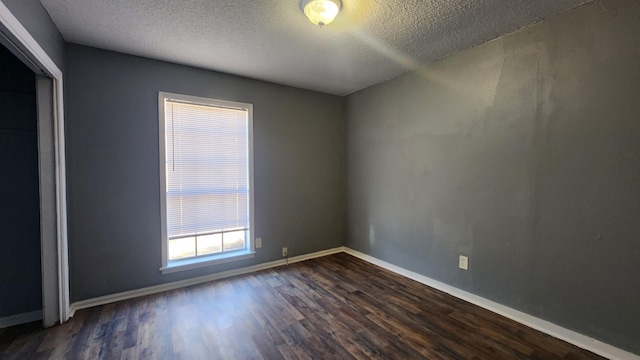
19 319
572 337
544 326
107 299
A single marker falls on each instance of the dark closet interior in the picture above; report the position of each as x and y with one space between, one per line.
20 267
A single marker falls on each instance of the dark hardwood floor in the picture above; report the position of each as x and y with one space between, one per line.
335 307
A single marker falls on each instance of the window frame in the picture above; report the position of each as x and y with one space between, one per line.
171 266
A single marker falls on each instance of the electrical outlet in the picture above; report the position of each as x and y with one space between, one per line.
463 262
285 252
258 243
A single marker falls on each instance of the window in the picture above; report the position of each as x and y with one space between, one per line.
206 177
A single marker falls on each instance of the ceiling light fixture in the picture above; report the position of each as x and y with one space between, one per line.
321 12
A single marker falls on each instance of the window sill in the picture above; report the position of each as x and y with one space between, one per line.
194 263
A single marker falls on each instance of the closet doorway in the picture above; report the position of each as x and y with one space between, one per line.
48 221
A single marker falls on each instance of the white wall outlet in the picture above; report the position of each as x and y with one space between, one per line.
463 262
285 252
258 243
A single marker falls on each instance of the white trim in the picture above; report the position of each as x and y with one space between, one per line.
163 181
18 35
194 263
252 224
61 200
24 38
313 255
107 299
544 326
48 217
20 319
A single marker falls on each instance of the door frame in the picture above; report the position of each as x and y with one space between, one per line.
55 288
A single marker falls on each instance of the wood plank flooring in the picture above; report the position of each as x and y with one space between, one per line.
335 307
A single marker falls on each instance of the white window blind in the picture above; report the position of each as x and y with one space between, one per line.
207 161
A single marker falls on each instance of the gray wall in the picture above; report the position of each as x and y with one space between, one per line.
113 173
33 16
20 277
522 153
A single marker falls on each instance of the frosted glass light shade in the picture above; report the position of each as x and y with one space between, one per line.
322 12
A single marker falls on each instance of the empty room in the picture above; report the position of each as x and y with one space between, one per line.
311 179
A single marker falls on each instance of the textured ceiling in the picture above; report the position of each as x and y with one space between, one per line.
369 42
